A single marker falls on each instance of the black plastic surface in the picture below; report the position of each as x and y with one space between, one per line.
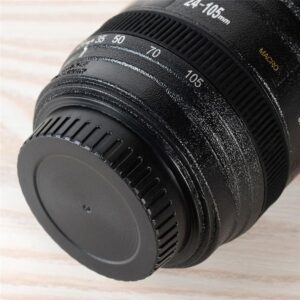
100 193
166 134
227 75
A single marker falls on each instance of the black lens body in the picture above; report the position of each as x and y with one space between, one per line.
167 133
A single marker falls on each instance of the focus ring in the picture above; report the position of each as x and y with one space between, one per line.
130 165
225 74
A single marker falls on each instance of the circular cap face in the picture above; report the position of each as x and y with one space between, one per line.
101 193
87 208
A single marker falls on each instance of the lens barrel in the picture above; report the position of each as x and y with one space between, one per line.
167 133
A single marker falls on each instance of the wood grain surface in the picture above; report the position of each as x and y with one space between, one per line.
36 37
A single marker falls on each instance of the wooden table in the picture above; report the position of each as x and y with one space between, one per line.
36 37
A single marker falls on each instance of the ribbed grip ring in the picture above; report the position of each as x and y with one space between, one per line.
122 152
131 166
225 74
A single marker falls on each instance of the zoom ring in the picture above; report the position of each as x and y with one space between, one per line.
225 74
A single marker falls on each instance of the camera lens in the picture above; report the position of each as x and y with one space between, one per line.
167 133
